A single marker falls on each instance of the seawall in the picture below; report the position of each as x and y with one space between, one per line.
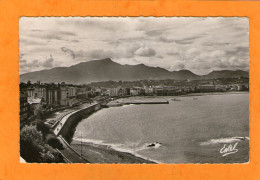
69 122
91 153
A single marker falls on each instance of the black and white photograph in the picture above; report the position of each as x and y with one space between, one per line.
134 90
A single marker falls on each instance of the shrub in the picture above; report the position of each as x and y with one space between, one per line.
33 148
30 144
51 156
43 128
54 141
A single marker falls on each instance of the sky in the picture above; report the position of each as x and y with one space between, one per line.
198 44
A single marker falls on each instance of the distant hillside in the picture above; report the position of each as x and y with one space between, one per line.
226 74
106 70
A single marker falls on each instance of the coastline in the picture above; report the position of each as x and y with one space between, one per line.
99 153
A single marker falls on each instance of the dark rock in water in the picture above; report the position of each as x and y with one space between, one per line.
154 144
151 145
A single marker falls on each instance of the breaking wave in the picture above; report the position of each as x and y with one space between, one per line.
118 147
224 140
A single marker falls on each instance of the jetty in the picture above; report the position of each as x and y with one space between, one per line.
146 102
136 102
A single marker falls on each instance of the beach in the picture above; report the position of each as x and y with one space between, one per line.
103 154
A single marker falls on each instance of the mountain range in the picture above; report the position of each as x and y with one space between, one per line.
106 70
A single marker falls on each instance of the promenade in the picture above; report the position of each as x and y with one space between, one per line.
61 122
69 154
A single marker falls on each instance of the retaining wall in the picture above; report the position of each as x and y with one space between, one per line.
69 127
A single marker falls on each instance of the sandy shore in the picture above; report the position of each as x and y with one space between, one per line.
101 154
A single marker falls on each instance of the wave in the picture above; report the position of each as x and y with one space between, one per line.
224 140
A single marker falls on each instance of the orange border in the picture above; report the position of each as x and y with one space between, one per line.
11 10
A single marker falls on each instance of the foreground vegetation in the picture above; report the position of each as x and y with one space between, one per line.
39 144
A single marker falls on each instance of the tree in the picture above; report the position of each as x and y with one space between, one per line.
34 149
43 128
53 141
31 144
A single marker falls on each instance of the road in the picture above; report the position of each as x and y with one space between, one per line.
71 156
63 120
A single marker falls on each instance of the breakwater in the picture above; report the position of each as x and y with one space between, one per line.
146 102
136 102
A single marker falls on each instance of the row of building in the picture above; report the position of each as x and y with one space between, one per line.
67 95
52 95
172 90
39 95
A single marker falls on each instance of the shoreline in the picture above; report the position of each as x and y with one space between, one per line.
100 153
104 153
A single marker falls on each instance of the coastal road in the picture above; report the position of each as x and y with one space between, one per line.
63 120
71 156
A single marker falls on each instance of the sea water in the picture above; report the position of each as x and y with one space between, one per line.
191 129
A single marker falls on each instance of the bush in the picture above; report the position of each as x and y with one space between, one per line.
30 144
51 156
43 128
33 149
54 141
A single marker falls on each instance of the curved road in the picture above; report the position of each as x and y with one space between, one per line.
65 118
69 154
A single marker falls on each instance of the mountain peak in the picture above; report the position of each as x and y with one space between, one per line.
106 59
108 70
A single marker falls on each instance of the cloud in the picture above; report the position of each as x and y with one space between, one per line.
195 43
174 51
159 56
68 51
100 54
25 66
166 40
145 51
48 62
22 61
30 42
188 40
67 33
28 65
21 56
192 53
75 41
179 65
95 54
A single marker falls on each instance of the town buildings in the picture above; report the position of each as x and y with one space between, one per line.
44 96
23 107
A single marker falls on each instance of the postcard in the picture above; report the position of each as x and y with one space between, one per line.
129 89
134 89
